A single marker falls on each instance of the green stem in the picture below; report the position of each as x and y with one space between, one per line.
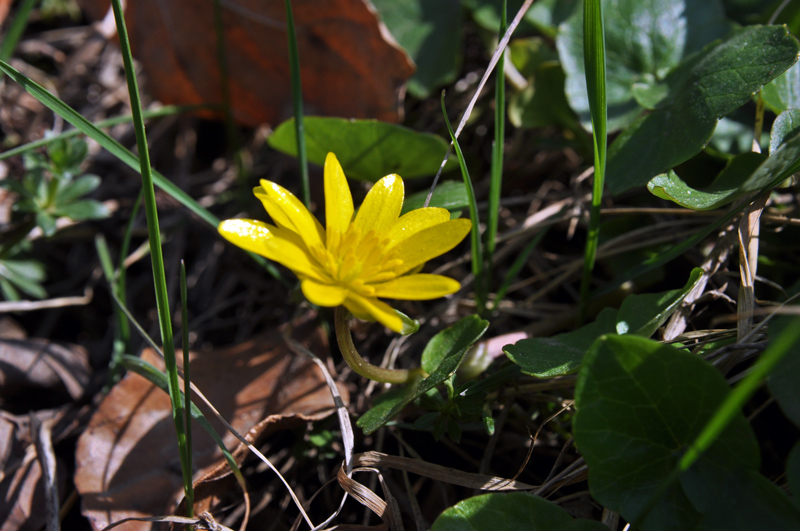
595 64
157 259
297 103
359 364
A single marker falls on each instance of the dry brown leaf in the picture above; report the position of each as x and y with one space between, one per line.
22 494
127 459
36 373
4 6
350 66
217 480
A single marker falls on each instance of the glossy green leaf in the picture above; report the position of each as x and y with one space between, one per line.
783 381
783 92
513 511
390 404
430 32
743 175
643 314
367 149
451 195
725 188
447 341
737 499
562 354
644 42
546 357
702 89
785 126
639 405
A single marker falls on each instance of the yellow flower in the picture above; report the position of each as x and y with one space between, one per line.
353 262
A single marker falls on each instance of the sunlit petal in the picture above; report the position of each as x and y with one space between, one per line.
417 287
338 201
356 261
375 309
288 211
271 242
322 294
412 222
430 243
381 207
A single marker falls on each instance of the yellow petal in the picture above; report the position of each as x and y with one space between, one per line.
322 294
382 205
289 212
271 242
338 201
415 221
417 287
430 243
376 310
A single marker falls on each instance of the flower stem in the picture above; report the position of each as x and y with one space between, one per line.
359 364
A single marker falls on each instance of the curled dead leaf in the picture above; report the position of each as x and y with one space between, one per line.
127 458
350 65
36 373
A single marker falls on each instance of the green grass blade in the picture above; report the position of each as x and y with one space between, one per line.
157 260
187 379
496 182
741 394
297 103
14 33
595 67
122 153
159 379
121 331
477 252
167 110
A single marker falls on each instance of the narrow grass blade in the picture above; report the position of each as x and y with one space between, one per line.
159 379
497 153
595 66
121 330
123 154
157 260
297 103
14 33
187 380
475 237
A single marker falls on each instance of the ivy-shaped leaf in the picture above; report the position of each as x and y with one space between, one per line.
639 405
704 88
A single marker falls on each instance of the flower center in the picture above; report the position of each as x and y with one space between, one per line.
356 260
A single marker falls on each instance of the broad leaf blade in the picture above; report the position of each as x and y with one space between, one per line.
430 31
644 41
510 512
703 89
459 338
367 149
639 405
